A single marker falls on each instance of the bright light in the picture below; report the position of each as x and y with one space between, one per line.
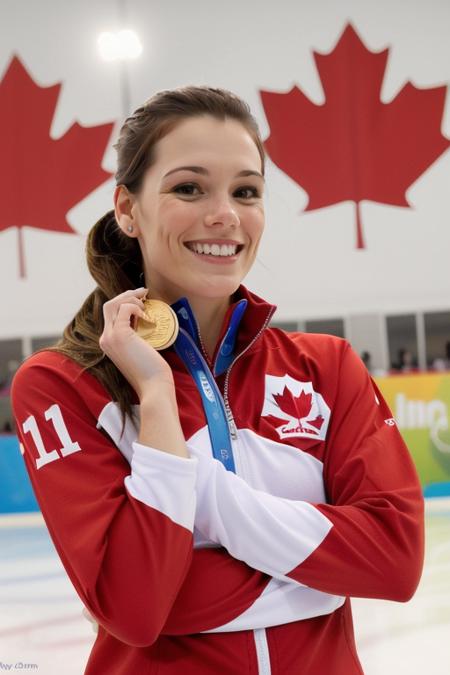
107 46
122 45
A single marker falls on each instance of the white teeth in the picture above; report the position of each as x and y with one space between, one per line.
223 250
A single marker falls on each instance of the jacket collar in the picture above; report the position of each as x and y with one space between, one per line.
256 317
246 317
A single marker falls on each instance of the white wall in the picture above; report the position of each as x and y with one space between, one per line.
308 262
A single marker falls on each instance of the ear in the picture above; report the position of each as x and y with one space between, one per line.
124 209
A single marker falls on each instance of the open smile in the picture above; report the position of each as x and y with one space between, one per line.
215 249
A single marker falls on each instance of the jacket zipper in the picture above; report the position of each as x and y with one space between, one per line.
259 634
262 651
230 418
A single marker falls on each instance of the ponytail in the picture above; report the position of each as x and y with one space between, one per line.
115 262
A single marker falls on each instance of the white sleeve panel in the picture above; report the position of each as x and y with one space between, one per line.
271 534
282 603
165 482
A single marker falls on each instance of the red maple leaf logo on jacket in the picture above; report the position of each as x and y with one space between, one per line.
354 147
42 177
296 407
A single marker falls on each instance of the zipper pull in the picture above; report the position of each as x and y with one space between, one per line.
231 423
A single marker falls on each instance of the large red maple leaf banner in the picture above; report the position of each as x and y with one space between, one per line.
43 178
355 147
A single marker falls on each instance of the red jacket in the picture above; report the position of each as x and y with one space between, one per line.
190 568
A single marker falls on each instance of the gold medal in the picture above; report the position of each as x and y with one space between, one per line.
160 329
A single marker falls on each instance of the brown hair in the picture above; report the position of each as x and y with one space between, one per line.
115 260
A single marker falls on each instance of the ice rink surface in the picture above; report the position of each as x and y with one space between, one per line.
42 629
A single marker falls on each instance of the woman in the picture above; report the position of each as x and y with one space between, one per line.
215 503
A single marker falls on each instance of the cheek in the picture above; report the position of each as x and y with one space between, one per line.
165 224
177 217
257 223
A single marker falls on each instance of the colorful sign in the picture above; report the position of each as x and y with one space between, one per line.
420 404
16 493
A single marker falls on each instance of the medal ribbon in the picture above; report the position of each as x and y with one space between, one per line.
225 354
213 403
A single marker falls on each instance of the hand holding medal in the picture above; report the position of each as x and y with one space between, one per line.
160 328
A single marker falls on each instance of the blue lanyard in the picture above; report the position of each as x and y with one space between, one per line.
225 354
213 404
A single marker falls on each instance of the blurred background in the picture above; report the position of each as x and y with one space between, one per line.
352 101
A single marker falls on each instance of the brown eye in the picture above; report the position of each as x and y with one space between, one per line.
248 192
188 189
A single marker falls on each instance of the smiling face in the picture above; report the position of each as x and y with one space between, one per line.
199 214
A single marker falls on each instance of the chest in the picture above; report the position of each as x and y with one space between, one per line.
281 417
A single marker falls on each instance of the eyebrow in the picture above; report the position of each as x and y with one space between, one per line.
204 172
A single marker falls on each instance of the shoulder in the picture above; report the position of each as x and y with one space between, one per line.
52 365
49 361
53 376
315 345
328 361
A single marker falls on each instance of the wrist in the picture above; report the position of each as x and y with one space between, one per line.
160 426
154 392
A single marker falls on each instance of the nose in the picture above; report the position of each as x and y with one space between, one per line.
222 212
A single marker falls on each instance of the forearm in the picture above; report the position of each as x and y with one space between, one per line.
370 548
269 533
222 594
160 426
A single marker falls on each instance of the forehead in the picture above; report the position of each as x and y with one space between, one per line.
208 139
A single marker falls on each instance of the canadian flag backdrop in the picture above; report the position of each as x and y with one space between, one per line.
352 102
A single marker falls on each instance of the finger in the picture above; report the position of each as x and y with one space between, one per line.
133 292
122 325
110 312
125 314
139 292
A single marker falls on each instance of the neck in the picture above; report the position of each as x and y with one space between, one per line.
210 315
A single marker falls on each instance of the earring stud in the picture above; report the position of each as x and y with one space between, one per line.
130 228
